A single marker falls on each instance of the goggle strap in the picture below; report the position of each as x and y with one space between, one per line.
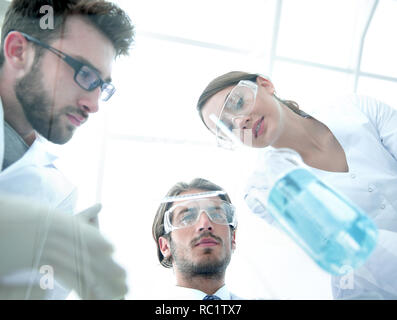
193 196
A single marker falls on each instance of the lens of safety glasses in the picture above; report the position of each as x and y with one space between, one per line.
187 213
238 104
240 101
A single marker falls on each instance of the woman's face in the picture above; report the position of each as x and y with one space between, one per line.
260 126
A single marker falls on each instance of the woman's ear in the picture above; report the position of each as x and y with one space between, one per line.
265 83
164 247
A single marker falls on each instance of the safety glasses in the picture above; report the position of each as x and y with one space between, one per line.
238 104
85 76
186 213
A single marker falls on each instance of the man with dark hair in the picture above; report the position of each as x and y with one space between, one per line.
52 75
194 230
51 80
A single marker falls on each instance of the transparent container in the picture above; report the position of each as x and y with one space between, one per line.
334 232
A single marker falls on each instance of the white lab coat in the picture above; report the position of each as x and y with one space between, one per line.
35 177
367 132
1 135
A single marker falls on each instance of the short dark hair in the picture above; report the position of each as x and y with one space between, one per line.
158 223
107 17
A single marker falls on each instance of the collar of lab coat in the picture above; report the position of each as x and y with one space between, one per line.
339 110
342 116
38 154
182 293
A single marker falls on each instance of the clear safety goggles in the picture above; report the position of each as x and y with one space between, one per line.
186 213
239 103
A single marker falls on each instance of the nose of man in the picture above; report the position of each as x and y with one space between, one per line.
204 222
90 101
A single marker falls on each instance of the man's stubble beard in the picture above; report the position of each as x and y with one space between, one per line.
38 107
209 268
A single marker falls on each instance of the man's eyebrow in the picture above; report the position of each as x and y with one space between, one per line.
182 210
86 62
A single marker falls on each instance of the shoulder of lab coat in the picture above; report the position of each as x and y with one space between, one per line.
35 176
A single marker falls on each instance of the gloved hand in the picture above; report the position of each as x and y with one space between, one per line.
32 235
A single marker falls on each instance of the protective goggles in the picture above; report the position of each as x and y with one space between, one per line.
186 213
239 103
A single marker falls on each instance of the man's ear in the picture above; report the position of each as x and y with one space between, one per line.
17 52
233 239
164 247
265 83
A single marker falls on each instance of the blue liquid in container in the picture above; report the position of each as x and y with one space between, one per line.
336 234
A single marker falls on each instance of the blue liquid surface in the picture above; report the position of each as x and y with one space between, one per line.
334 232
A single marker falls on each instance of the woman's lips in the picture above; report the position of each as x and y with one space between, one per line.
259 127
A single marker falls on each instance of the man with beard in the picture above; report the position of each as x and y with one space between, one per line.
51 79
194 230
55 65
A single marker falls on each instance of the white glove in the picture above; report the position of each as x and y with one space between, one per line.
32 235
